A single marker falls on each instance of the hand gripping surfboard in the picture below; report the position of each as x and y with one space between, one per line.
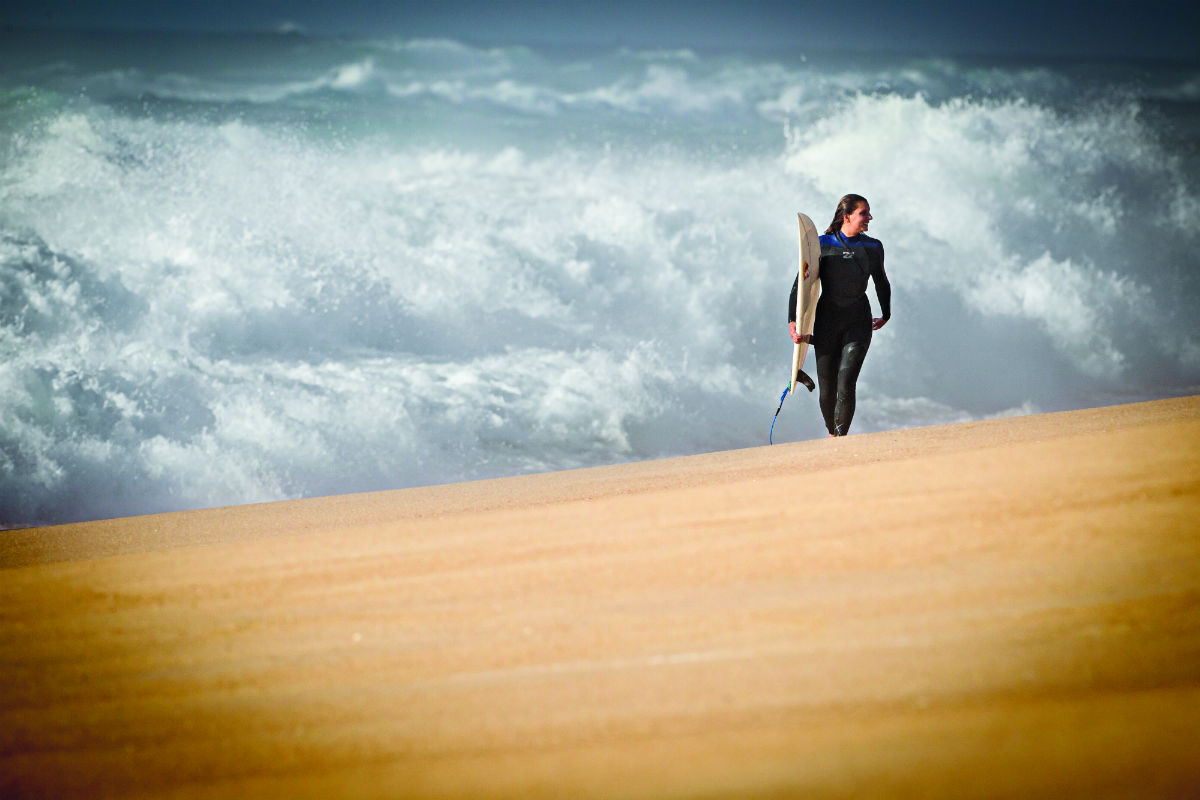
808 290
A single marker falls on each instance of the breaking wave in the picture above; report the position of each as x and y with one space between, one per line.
322 267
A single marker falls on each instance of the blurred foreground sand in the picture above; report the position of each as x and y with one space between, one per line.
1009 607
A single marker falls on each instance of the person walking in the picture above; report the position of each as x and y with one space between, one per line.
844 325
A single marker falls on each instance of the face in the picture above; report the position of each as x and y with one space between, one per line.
856 221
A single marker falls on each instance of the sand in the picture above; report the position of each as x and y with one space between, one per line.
998 608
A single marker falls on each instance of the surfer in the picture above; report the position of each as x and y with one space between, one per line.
842 330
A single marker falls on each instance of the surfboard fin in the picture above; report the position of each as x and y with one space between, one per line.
806 381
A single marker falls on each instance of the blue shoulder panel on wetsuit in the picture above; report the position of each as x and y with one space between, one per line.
862 240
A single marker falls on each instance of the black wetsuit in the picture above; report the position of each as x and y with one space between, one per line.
842 329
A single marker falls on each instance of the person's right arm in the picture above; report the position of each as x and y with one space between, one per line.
792 311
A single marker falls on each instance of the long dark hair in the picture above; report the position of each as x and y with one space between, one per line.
847 205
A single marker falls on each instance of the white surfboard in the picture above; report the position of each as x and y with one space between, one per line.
808 290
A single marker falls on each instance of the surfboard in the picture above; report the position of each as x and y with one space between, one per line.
808 290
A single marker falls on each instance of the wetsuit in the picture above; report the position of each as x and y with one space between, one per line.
842 329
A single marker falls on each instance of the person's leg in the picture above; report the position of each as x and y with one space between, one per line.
849 365
828 363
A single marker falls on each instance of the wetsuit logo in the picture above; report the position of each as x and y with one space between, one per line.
847 254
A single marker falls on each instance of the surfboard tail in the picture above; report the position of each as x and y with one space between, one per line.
797 362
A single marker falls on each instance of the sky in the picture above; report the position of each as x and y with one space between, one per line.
1160 29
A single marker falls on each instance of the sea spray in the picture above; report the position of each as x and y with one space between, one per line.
286 267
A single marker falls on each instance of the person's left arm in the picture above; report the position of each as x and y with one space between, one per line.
883 290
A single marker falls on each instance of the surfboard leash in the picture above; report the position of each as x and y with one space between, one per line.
782 397
804 381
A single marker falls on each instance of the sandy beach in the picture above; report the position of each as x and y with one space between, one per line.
1000 608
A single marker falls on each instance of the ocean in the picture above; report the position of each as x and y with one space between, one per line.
247 268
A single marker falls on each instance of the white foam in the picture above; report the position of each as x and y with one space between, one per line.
981 185
583 263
